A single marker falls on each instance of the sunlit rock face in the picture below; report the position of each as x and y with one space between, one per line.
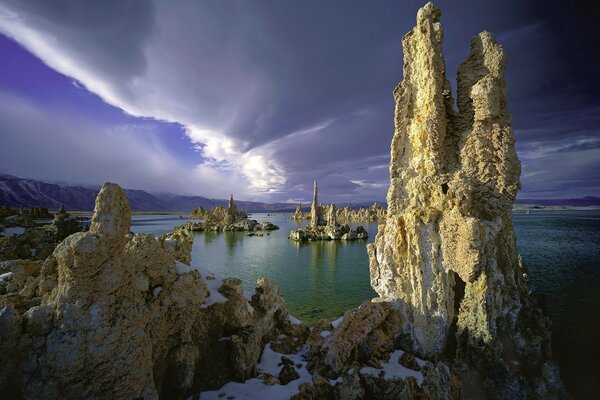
446 255
111 314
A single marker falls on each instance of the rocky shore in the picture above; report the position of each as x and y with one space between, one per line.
324 225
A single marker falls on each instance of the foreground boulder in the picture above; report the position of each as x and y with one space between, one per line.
113 315
446 256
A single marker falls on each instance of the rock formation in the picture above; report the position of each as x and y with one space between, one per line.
316 210
221 219
375 213
22 237
113 315
347 215
299 215
323 225
446 256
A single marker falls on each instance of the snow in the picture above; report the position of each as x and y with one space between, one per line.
181 268
334 382
6 276
294 321
156 291
337 322
393 369
15 231
325 333
255 388
213 283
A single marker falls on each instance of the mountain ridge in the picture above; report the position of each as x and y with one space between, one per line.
24 193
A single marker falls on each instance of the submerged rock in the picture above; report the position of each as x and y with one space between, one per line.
446 256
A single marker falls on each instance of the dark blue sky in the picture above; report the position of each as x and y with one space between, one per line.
259 98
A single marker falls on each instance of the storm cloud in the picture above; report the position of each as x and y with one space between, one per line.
272 95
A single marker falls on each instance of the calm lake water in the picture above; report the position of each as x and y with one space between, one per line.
325 279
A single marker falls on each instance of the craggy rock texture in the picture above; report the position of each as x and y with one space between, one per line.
113 315
374 213
446 255
21 237
221 219
347 215
323 225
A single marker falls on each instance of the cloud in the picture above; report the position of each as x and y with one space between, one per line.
276 94
53 143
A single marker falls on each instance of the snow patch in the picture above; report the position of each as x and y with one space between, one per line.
334 382
294 321
337 322
6 276
255 388
393 369
213 283
156 291
325 333
181 268
15 231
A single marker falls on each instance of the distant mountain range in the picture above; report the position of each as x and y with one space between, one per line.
20 192
587 201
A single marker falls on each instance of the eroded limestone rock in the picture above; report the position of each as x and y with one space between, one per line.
323 225
111 314
446 255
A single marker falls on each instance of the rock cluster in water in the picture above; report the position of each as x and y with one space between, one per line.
221 219
323 225
22 237
446 257
347 215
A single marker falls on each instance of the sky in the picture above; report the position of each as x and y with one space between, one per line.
260 98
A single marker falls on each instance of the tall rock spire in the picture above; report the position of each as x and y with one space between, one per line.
316 211
446 255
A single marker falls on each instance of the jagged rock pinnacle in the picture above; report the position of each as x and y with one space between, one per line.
446 255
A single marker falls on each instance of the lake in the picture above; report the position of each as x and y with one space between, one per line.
324 279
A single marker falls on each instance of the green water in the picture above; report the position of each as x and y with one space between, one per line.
324 279
318 279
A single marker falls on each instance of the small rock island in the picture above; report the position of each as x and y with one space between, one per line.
324 226
347 215
221 219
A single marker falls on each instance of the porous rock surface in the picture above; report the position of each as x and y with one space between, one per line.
221 219
323 225
446 255
113 315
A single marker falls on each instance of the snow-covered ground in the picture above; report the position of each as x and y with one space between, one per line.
17 230
393 369
256 389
